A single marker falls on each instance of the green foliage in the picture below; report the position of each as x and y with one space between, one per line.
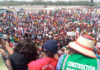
13 3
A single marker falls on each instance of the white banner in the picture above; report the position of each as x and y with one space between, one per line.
71 33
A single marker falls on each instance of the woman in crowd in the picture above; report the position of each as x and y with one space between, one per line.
24 52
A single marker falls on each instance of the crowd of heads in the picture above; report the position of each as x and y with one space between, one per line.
52 24
49 32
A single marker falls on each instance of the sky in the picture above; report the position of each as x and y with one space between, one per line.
56 0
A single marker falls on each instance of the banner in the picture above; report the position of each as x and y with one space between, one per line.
71 33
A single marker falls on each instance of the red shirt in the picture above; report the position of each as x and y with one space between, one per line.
43 64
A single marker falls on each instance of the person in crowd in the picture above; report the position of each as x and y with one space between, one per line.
3 66
81 55
24 52
49 60
63 25
3 55
98 48
5 49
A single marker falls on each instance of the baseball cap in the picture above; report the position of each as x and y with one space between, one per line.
50 46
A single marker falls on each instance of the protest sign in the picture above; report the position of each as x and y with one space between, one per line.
71 33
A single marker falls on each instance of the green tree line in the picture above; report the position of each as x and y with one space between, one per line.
62 3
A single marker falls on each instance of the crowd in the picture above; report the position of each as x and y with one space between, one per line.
64 39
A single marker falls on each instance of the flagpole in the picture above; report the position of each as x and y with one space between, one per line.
92 2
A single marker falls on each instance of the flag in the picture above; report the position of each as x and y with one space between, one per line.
12 42
73 20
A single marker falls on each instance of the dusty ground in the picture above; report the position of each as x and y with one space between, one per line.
36 8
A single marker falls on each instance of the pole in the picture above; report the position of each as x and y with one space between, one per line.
92 2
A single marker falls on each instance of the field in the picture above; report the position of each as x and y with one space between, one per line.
37 8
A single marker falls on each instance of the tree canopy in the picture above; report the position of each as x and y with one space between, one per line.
62 3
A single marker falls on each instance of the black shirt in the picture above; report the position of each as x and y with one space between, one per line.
18 61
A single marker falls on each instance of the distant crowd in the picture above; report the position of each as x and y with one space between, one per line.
63 39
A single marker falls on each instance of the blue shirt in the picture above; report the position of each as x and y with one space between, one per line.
98 56
60 62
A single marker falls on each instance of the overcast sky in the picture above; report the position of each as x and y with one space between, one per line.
56 0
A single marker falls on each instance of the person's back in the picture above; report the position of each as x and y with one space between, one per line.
19 62
78 62
24 52
48 62
43 64
81 56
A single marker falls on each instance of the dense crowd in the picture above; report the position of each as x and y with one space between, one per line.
50 24
46 35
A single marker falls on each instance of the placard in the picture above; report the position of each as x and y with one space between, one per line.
71 33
